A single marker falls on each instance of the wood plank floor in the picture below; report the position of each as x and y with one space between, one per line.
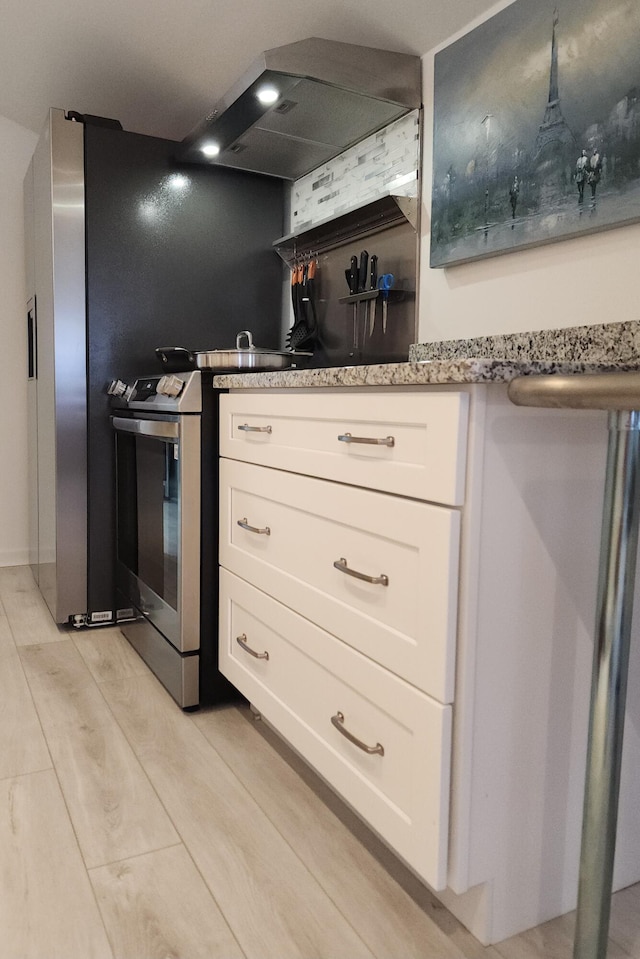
132 830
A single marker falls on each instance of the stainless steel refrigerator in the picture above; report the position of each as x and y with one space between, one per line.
126 252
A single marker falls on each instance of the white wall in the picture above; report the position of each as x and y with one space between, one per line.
587 280
16 147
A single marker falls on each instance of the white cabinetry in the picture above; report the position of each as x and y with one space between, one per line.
339 593
320 535
300 432
464 652
309 685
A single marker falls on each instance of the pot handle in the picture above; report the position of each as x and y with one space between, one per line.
169 356
249 345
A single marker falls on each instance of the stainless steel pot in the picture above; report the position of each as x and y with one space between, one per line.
249 358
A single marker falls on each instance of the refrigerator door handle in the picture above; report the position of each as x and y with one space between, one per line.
32 340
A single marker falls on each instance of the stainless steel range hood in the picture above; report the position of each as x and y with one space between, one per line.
325 96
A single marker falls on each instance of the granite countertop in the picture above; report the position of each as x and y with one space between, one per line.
602 348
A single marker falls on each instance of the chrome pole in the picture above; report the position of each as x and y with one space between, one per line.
619 393
618 549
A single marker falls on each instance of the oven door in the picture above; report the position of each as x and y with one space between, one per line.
158 522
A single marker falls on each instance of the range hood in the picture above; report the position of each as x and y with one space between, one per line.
302 104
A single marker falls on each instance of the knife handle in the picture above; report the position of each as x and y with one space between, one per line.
373 273
362 271
353 275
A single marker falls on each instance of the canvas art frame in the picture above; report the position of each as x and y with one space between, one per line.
536 130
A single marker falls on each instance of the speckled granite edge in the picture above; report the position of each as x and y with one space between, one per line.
406 374
484 359
604 343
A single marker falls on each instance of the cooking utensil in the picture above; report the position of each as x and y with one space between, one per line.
312 320
352 279
295 302
362 286
294 293
362 271
385 283
247 358
304 329
352 275
176 359
373 284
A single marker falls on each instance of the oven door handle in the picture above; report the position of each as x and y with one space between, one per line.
154 428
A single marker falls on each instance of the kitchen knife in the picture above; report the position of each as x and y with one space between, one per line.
352 275
373 283
352 279
362 286
373 272
362 271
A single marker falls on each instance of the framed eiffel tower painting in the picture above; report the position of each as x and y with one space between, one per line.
536 128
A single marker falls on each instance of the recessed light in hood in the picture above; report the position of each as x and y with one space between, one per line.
210 150
268 95
321 97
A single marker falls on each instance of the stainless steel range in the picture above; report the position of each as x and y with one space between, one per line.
166 544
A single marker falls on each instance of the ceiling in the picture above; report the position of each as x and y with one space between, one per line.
159 66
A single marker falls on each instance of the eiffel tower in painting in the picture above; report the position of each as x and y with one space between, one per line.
553 128
555 143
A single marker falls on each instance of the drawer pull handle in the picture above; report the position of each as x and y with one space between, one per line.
380 580
242 641
254 429
371 440
338 722
253 529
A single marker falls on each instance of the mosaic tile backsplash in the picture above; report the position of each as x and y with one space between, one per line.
386 162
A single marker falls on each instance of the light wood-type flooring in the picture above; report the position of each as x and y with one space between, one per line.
132 830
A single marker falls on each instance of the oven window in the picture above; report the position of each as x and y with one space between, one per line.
148 511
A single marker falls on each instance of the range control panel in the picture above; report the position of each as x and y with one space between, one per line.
178 393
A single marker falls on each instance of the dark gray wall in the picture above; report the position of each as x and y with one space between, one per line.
168 263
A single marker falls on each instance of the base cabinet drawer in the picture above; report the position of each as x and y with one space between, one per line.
413 444
379 572
383 745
